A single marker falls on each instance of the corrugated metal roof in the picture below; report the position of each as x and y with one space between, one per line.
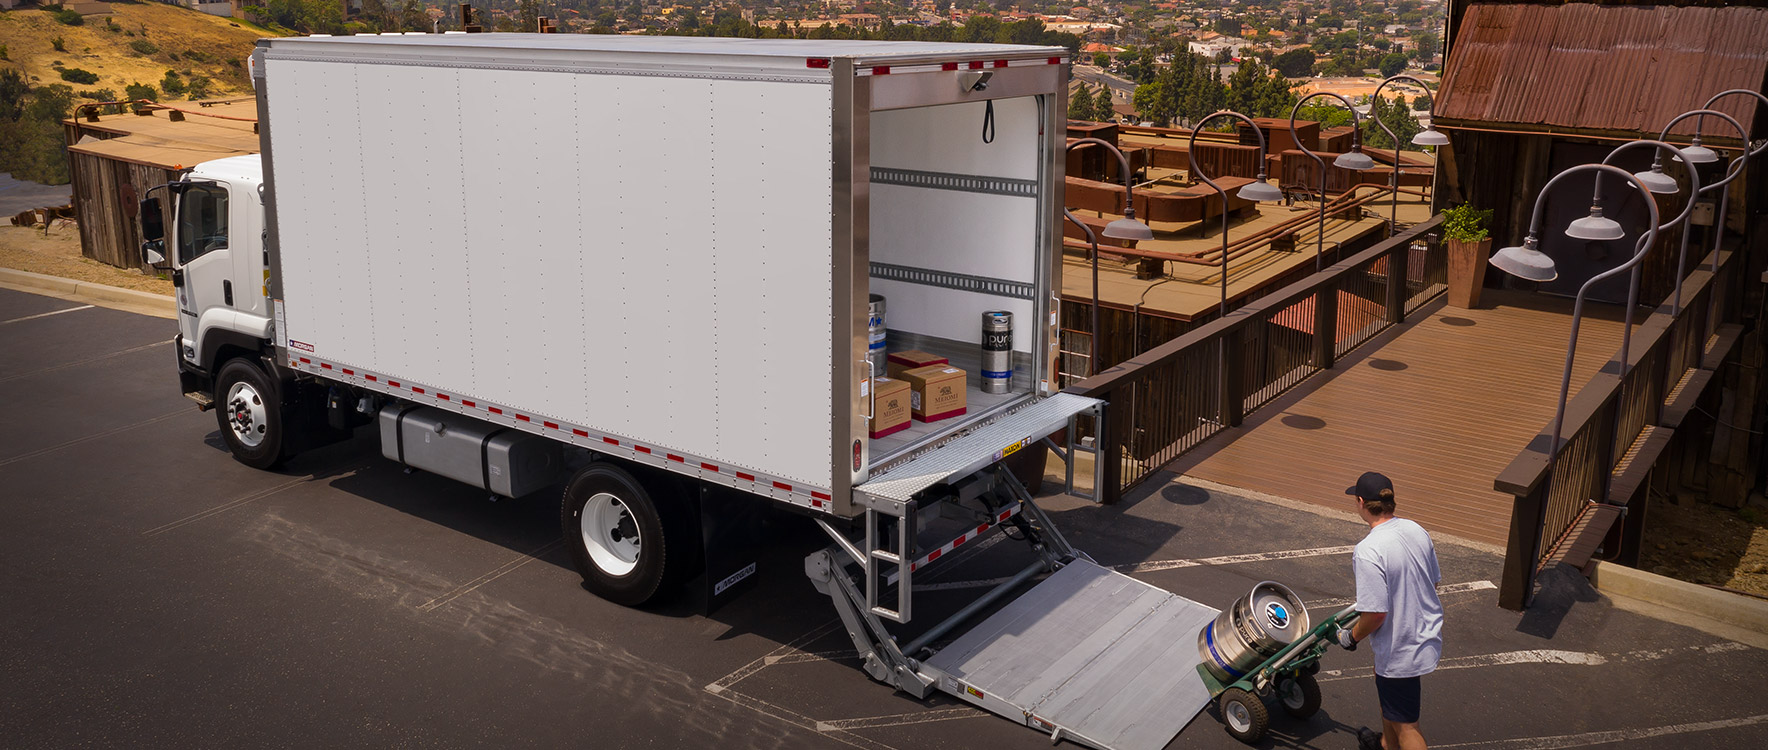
1606 67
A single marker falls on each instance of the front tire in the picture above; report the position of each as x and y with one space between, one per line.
628 542
1244 715
252 418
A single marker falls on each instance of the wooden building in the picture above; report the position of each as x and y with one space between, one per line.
1530 90
114 159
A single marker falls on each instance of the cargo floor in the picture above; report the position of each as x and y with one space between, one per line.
978 403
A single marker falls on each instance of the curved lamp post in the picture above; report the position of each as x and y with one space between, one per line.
1257 190
1741 164
1352 159
1530 263
1657 182
1126 228
1429 137
1690 155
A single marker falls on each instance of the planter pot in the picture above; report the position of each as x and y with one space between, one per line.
1467 271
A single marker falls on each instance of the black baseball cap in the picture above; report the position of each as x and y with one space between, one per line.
1370 485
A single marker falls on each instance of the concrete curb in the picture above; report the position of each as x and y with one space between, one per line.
147 303
1691 600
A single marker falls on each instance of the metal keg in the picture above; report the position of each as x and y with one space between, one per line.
997 352
1253 629
875 334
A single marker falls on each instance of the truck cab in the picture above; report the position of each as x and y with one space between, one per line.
208 229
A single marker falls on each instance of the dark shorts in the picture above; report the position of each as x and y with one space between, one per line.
1399 698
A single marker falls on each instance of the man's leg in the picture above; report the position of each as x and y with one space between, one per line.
1400 706
1401 736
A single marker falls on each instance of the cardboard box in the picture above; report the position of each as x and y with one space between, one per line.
890 407
901 362
936 392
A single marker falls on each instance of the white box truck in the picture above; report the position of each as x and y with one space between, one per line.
641 267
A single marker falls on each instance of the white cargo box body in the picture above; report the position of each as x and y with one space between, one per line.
660 248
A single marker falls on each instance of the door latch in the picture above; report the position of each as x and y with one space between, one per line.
227 292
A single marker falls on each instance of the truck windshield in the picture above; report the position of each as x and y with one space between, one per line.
202 222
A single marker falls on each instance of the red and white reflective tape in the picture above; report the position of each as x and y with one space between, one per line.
680 462
972 535
882 70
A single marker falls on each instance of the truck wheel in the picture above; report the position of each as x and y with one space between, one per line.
251 417
627 542
1300 695
1244 714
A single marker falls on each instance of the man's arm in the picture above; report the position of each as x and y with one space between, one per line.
1367 624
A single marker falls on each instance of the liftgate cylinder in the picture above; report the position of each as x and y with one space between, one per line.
997 352
875 334
1254 629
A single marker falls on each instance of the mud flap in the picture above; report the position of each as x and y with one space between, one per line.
731 529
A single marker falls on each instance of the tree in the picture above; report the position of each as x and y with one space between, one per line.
1396 117
1296 63
1328 115
13 91
30 126
1392 65
1421 103
1080 106
1428 44
1102 111
1102 59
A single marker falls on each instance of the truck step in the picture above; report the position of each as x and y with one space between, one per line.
204 401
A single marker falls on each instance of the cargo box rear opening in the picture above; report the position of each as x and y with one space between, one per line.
955 225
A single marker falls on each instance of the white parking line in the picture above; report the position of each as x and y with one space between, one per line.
1549 656
95 436
1613 735
462 590
98 358
1452 588
1149 567
45 315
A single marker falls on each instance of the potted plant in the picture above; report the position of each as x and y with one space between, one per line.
1469 246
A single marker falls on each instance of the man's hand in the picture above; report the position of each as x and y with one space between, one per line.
1345 641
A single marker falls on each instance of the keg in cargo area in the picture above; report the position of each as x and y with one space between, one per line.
875 334
1252 630
997 352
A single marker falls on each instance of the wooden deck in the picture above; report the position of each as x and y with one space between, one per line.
1440 405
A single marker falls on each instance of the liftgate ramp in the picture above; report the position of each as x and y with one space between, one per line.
1088 654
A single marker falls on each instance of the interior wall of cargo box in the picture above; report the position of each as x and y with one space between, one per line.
950 210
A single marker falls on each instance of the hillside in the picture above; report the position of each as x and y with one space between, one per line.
139 42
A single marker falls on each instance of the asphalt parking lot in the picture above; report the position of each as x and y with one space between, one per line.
159 594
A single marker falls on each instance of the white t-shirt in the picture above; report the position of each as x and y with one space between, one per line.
1396 570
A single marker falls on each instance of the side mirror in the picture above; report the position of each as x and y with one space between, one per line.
153 226
154 252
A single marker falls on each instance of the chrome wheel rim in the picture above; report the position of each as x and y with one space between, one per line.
246 414
610 534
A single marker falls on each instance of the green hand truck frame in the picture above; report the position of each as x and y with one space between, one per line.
1288 675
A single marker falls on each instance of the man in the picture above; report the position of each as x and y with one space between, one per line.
1397 610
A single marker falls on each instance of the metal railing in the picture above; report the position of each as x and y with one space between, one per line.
1605 420
1175 396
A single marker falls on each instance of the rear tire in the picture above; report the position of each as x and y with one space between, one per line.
629 541
1299 695
1244 715
252 417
